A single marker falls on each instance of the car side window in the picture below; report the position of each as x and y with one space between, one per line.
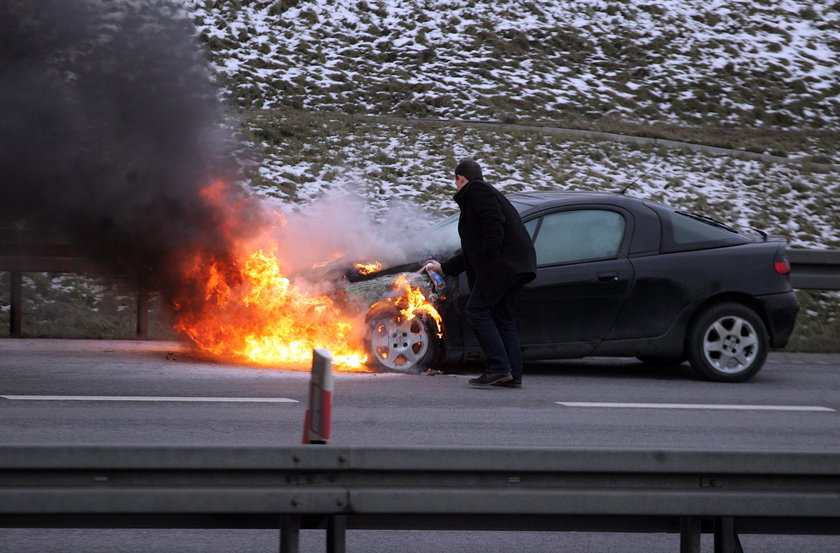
686 232
584 234
531 227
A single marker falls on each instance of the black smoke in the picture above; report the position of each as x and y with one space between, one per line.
109 128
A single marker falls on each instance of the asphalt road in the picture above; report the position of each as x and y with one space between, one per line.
84 392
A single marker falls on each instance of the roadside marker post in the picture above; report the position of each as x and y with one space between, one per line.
316 424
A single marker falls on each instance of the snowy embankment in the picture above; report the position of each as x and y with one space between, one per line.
744 62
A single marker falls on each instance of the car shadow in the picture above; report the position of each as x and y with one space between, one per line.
595 367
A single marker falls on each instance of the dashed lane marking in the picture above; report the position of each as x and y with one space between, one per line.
156 399
713 406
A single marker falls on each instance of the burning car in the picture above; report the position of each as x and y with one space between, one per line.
617 276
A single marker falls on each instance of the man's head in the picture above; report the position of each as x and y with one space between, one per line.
466 171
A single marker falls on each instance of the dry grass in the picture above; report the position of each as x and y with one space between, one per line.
818 322
820 146
58 305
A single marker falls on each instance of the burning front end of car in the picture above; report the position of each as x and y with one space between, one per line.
247 304
404 329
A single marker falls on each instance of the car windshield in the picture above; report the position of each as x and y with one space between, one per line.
442 236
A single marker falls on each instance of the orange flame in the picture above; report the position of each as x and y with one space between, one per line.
366 269
410 301
335 256
238 301
260 315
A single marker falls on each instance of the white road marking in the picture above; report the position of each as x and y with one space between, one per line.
156 398
723 407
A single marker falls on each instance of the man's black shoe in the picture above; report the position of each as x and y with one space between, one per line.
512 383
490 379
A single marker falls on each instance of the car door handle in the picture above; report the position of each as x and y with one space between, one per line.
607 277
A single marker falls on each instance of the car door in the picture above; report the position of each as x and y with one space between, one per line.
695 261
583 276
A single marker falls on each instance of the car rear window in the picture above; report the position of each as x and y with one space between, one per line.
579 235
685 231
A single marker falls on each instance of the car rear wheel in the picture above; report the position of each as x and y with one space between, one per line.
398 344
728 342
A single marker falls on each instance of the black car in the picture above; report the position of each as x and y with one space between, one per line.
617 276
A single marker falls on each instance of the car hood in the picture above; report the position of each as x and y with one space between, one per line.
375 288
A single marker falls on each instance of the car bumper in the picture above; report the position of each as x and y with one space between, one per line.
780 311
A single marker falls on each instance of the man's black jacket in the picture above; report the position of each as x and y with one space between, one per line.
495 246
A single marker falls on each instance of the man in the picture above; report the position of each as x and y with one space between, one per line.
499 258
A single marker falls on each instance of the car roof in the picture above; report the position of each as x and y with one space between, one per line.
525 201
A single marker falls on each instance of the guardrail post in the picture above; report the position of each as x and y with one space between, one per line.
726 539
142 310
336 533
16 313
290 534
316 424
689 534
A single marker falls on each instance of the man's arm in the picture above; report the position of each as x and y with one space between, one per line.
454 266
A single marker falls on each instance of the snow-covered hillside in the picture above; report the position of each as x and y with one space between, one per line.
300 68
722 62
308 155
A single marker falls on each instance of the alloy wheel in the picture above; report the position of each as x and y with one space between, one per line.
730 344
399 344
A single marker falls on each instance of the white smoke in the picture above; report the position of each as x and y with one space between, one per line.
338 228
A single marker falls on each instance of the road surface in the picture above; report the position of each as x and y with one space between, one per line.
95 392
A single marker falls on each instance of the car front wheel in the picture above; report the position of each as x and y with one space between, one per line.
728 342
398 344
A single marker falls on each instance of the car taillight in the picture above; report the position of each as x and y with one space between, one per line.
782 267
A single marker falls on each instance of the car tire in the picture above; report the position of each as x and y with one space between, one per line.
395 344
727 342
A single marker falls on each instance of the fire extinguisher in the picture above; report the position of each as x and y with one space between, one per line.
436 278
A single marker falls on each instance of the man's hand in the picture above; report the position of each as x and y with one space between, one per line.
433 266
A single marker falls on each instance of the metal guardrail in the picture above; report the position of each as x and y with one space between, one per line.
336 488
815 269
811 270
23 257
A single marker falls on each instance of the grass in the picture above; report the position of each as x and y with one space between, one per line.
58 305
779 77
818 146
338 150
818 322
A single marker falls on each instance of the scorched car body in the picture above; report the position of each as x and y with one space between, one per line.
617 276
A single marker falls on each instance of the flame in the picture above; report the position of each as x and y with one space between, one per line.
366 269
336 255
259 314
236 299
410 301
239 302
